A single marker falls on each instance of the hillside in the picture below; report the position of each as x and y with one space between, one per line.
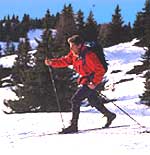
33 133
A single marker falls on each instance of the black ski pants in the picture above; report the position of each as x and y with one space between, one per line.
93 98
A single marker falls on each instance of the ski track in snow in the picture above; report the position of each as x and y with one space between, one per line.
35 132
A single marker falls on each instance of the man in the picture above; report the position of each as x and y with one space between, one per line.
90 76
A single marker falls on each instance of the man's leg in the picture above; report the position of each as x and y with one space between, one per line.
80 94
95 102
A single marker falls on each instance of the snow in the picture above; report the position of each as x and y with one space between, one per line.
7 61
34 34
33 132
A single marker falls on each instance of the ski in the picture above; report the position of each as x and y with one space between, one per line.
94 129
81 131
84 130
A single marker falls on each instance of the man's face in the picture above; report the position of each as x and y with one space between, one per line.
75 48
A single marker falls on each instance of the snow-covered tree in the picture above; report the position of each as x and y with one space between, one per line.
22 79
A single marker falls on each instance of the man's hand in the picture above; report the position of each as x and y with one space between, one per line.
91 85
48 62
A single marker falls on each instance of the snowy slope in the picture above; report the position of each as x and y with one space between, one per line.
33 133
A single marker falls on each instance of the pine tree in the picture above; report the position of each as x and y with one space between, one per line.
103 33
25 25
146 59
62 77
127 33
145 98
1 30
10 48
116 30
141 28
7 28
79 20
138 26
65 82
32 82
21 79
48 20
15 28
65 27
146 37
90 29
42 87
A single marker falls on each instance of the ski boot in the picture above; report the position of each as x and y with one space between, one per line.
73 128
110 118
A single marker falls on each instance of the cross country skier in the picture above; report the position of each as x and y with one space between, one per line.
91 74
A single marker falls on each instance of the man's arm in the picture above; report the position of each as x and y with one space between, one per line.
60 62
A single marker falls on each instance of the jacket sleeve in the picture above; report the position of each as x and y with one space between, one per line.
62 62
96 67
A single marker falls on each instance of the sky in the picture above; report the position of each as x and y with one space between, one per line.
102 9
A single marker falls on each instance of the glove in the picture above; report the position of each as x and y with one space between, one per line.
91 85
82 81
48 62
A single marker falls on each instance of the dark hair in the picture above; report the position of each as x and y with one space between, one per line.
76 39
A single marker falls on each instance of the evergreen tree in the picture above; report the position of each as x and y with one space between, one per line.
127 33
1 73
116 30
7 28
79 20
22 79
32 81
146 37
49 21
65 27
90 29
10 48
14 28
57 19
1 30
0 51
36 23
62 77
141 28
138 26
103 31
25 25
65 82
145 98
42 87
146 59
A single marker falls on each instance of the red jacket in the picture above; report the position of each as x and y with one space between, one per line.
91 71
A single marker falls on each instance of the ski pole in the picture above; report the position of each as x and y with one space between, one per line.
125 112
128 115
57 99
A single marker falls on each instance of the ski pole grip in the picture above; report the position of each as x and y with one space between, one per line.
50 68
